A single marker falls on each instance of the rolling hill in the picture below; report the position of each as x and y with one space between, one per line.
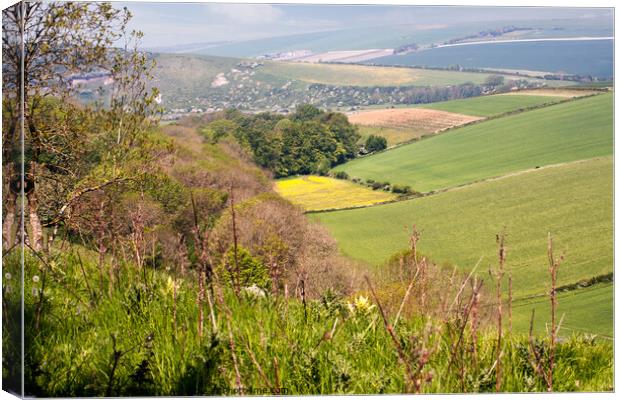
488 106
572 201
560 133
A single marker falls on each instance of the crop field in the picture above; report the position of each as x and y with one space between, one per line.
322 193
392 135
488 106
572 201
359 75
399 125
415 118
560 133
585 310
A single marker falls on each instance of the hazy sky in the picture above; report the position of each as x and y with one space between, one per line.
166 24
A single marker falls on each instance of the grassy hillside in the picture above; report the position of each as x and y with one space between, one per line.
585 310
321 193
487 106
359 75
560 133
180 77
572 201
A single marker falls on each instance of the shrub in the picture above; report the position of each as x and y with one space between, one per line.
377 185
341 175
252 272
375 143
401 189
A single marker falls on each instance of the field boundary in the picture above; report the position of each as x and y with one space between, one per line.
419 195
481 120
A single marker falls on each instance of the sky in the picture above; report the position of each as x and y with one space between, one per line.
168 24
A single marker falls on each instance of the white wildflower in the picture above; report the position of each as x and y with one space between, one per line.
254 291
35 278
7 276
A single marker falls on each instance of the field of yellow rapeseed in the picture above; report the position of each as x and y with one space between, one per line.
322 193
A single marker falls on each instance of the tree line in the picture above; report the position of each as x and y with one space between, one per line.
309 141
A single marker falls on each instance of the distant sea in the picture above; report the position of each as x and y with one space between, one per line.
591 57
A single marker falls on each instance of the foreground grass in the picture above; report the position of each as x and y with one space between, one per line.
322 193
488 106
140 338
358 75
565 132
574 202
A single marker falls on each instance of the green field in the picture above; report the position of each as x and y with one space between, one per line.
585 310
487 106
560 133
359 75
573 202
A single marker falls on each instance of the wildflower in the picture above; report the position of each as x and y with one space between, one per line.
7 276
361 305
254 291
35 278
171 285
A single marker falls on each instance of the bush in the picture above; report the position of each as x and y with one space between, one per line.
401 189
252 272
341 175
377 185
375 143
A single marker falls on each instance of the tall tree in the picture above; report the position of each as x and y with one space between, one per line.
53 43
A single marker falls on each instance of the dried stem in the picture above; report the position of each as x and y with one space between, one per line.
258 366
233 353
510 303
554 265
498 279
402 304
235 240
390 330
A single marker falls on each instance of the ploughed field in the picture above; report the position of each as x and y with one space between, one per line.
321 193
559 133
